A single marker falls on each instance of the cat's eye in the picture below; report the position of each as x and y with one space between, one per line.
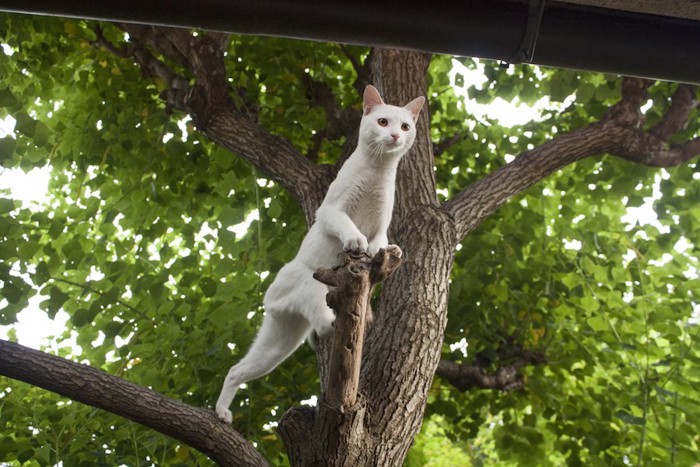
383 122
405 126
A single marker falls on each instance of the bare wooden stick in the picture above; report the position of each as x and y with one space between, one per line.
353 282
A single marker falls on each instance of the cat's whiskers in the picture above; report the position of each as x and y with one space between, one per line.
376 152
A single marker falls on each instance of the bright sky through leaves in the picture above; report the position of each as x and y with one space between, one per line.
34 328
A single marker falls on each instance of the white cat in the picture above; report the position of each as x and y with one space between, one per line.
354 215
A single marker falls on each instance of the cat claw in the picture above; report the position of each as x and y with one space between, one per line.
356 252
358 245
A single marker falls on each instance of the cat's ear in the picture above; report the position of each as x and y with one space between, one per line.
414 107
371 99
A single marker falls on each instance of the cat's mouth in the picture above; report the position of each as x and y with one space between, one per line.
394 144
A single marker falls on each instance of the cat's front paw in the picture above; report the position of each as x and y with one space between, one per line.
224 414
394 250
356 244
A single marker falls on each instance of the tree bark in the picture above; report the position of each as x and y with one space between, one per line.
621 133
341 427
402 349
199 428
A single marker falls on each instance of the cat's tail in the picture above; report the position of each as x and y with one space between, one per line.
279 336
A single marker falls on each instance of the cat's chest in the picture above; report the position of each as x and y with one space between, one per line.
372 201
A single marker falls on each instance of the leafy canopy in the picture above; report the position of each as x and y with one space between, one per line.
137 245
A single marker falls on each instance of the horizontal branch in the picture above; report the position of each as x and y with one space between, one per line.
506 377
473 205
199 428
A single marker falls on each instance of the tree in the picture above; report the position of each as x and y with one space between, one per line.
163 141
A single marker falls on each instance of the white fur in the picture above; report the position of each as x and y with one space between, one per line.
354 215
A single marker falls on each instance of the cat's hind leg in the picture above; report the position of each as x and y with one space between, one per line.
296 290
311 303
279 335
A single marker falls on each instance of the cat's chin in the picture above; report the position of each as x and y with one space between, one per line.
394 148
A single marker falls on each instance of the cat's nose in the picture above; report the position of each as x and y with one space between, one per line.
395 136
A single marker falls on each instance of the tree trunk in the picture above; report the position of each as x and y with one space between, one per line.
403 345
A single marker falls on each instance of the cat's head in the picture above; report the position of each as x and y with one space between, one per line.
388 129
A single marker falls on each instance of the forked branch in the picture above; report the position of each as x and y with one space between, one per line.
219 111
621 133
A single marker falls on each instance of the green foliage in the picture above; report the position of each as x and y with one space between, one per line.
139 246
614 306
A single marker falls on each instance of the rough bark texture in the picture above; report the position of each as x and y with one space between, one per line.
402 349
196 427
341 426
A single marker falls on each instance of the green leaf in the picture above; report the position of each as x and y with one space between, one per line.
25 124
589 303
208 286
7 99
6 205
7 148
231 216
41 134
27 250
83 316
598 323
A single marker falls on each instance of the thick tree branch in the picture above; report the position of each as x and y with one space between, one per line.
221 114
196 427
473 205
506 377
676 118
619 133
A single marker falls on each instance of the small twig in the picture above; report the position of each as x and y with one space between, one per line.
444 145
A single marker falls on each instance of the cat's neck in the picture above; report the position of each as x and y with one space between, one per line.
378 161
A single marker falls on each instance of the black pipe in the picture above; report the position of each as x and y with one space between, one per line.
570 36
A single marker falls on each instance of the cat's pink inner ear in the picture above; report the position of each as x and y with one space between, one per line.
414 107
371 99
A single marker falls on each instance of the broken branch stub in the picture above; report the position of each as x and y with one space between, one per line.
353 282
